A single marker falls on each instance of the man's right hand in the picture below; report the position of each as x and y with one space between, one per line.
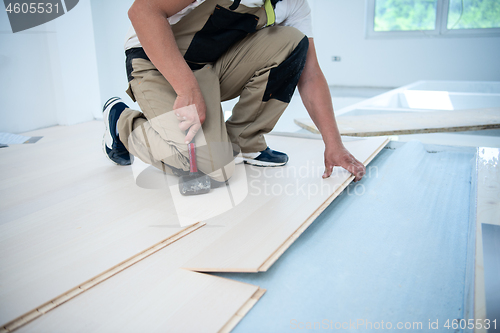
190 118
150 21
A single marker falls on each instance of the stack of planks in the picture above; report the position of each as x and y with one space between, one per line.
396 123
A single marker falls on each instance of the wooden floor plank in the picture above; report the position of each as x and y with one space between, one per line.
68 215
57 301
413 122
285 199
197 303
238 316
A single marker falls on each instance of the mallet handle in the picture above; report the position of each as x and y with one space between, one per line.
193 168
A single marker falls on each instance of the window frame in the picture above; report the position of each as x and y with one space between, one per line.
441 26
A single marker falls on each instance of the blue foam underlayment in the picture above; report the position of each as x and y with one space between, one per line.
397 253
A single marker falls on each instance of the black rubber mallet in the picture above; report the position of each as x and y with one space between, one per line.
196 182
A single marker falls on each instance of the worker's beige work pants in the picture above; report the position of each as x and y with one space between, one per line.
244 70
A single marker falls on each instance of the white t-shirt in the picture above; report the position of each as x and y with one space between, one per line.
293 13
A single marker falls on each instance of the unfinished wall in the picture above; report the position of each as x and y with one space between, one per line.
339 30
49 73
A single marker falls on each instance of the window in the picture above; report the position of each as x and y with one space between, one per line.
405 18
397 15
473 14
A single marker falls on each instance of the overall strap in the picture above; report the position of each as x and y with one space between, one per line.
269 6
235 4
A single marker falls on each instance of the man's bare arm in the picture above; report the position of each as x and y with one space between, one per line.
149 18
316 97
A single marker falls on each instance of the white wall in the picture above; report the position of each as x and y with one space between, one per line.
62 71
111 24
339 30
49 73
27 100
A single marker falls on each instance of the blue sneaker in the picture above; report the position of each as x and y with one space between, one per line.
266 158
112 146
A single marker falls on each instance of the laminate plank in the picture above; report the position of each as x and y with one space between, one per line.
67 214
281 200
413 122
238 316
48 306
144 299
272 259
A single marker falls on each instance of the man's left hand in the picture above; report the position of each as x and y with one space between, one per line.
343 158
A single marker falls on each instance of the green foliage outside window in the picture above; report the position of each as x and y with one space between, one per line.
408 15
474 14
404 15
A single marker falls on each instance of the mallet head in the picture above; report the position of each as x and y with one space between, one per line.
194 183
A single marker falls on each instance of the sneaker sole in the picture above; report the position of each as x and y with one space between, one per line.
238 159
104 149
262 163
